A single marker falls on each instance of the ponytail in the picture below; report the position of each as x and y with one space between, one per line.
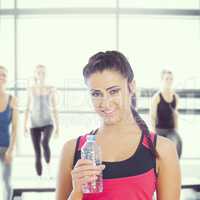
142 125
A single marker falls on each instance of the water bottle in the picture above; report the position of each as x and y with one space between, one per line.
92 151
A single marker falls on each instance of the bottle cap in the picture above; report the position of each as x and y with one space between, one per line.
91 138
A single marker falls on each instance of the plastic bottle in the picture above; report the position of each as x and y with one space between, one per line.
92 151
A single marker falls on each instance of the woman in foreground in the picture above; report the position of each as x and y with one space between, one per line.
136 163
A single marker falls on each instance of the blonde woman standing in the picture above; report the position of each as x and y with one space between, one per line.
42 110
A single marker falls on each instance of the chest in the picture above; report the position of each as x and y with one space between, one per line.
168 98
3 103
41 91
5 116
120 149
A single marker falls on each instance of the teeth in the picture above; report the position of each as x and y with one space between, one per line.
108 112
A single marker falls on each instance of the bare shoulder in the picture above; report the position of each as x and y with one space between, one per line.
32 88
14 102
68 151
176 96
156 97
51 89
166 148
168 170
69 145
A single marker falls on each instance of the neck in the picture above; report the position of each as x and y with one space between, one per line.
2 90
167 90
125 125
41 82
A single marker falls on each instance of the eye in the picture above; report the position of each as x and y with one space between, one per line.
96 94
3 75
114 91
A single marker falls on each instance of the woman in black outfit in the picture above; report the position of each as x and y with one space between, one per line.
164 112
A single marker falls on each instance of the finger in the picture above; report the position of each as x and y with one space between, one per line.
89 167
83 162
87 179
86 173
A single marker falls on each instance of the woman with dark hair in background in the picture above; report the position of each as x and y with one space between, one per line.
41 105
136 163
8 115
164 111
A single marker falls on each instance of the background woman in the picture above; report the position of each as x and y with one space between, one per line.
164 111
8 116
44 117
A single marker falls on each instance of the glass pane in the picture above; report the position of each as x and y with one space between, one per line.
63 44
183 4
65 3
6 4
7 46
155 43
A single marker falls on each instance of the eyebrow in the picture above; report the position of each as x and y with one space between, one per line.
112 87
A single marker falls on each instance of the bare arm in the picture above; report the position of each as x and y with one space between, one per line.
153 111
9 152
55 110
176 112
27 111
14 106
169 175
64 180
70 181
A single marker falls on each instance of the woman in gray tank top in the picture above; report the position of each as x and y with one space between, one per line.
43 114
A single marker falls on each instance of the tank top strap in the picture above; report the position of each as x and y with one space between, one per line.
83 138
174 99
161 97
9 101
153 138
81 141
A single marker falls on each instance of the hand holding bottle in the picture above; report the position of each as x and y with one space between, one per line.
84 172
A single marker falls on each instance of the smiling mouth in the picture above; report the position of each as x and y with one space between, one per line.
108 113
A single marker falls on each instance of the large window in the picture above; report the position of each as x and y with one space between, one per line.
153 43
63 34
7 45
180 4
62 43
6 4
65 3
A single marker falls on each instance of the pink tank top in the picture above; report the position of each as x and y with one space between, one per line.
130 179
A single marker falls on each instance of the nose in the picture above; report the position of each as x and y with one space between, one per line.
105 102
2 77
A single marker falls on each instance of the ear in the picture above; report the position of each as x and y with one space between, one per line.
132 87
